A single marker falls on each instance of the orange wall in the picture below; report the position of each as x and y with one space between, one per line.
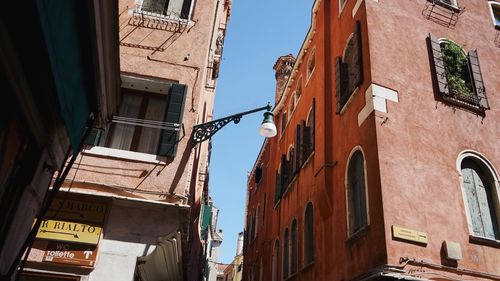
422 138
410 151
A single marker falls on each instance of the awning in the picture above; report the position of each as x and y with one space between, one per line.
164 263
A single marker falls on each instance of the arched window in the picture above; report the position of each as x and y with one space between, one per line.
481 197
293 246
311 63
276 254
308 235
291 107
349 68
356 193
286 257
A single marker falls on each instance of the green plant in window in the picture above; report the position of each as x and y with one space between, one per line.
457 70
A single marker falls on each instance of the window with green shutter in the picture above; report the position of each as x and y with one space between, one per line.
457 75
480 199
147 122
349 69
356 193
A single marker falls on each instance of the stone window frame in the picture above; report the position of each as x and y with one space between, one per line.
342 4
494 182
492 13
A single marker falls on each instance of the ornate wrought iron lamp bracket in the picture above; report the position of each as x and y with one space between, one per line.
205 131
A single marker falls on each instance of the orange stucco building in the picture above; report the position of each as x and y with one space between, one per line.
386 162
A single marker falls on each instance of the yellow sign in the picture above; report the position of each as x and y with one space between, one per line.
409 234
69 231
75 210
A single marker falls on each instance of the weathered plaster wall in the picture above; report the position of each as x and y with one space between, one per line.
421 138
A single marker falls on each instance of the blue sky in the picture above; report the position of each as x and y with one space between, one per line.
258 33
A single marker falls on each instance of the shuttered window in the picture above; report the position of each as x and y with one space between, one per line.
457 76
283 122
308 235
147 122
173 115
278 187
293 246
286 257
349 69
480 200
258 174
276 254
356 193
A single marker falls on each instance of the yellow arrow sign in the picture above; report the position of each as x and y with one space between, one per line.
69 231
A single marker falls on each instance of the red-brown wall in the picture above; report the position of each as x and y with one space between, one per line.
410 150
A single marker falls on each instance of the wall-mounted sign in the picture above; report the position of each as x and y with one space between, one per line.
403 233
75 210
69 231
70 254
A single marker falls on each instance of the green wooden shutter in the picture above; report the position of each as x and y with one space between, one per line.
284 173
338 83
477 79
277 189
438 64
298 148
258 174
173 114
306 145
357 72
472 201
313 125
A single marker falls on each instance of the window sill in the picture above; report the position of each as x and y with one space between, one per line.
358 234
484 241
124 154
461 103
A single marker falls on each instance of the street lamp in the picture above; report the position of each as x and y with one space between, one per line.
204 131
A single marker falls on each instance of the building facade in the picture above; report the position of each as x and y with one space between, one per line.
130 207
386 162
234 271
59 73
213 240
